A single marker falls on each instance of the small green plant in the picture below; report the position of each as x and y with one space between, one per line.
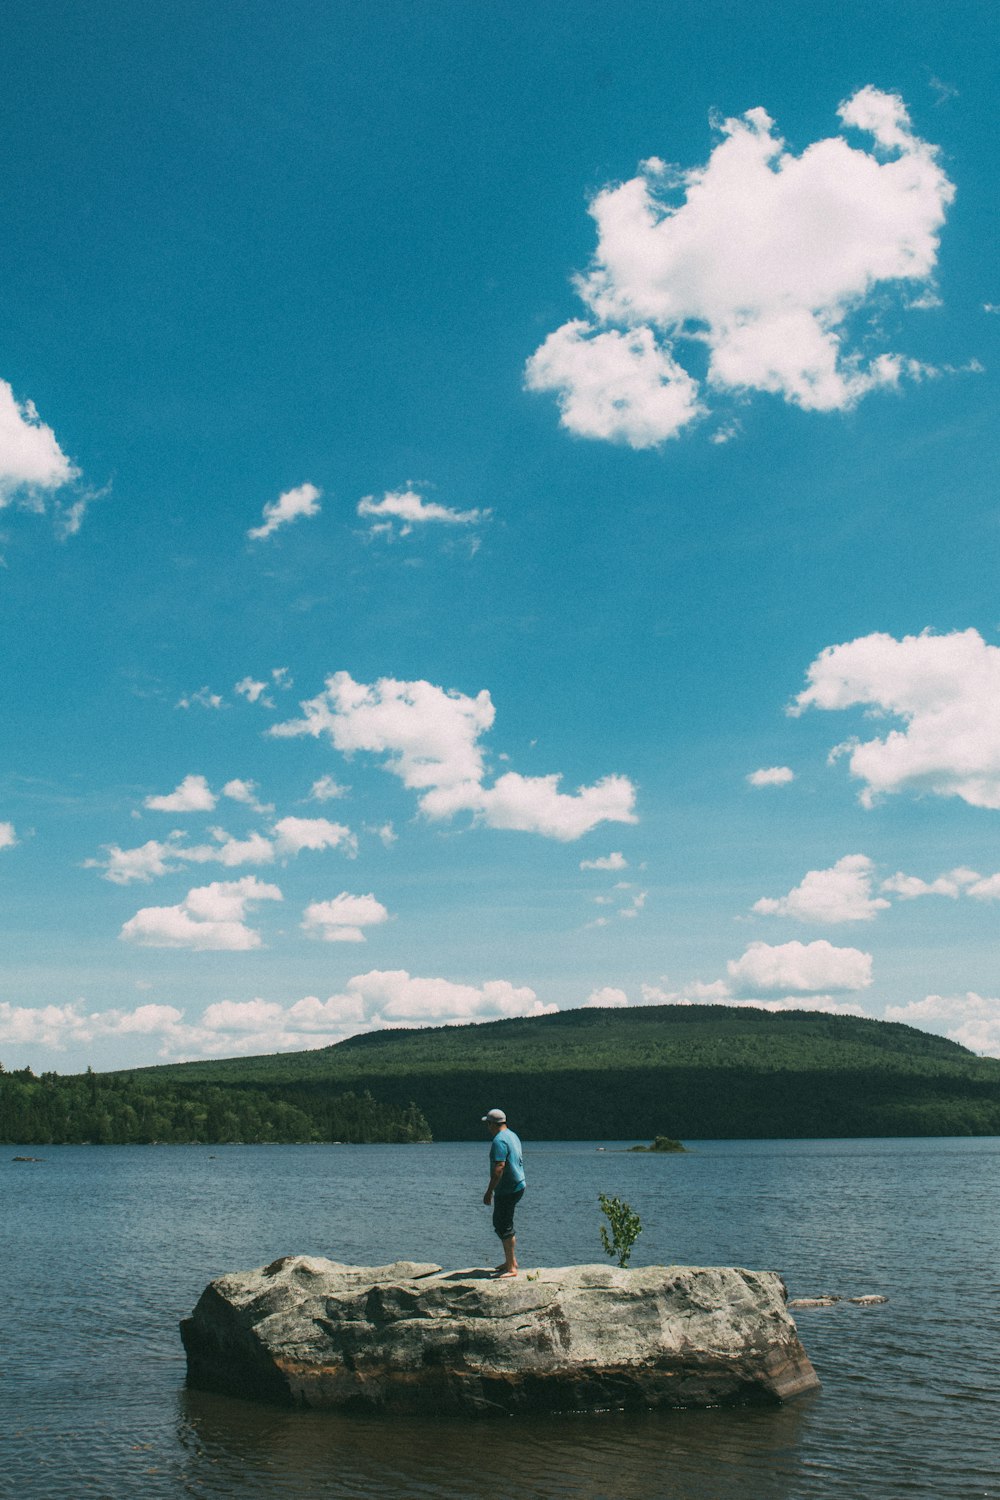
626 1228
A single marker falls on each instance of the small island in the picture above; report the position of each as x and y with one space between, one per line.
662 1143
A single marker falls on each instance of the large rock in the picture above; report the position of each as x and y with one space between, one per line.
410 1337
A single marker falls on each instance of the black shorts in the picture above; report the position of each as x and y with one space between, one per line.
504 1205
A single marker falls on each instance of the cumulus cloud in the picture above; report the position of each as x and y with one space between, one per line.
61 1025
159 857
211 917
302 501
32 464
368 1002
799 969
771 776
393 996
430 738
945 691
910 887
245 792
342 919
956 883
534 804
8 838
402 510
253 691
623 387
616 861
255 849
327 789
292 835
719 993
192 795
164 856
842 893
971 1020
607 998
123 866
762 256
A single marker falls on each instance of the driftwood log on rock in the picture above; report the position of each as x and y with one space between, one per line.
408 1337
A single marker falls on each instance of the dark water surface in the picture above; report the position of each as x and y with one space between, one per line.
106 1248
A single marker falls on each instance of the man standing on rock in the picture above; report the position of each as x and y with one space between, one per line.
506 1187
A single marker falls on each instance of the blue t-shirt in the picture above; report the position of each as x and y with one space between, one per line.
506 1147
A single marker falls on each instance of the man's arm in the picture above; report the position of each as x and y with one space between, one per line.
495 1175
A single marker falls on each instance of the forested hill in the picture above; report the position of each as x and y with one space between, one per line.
686 1071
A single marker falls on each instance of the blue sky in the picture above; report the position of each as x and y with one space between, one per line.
463 471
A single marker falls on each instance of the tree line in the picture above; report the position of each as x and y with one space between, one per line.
122 1110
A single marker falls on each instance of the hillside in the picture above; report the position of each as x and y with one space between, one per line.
687 1071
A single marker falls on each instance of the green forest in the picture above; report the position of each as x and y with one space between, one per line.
119 1110
692 1072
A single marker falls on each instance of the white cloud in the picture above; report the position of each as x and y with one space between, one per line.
302 501
8 837
253 691
760 255
370 1001
342 919
61 1025
394 997
970 1019
122 866
192 795
409 509
607 998
242 1015
771 776
623 387
327 789
32 464
825 1004
842 893
719 993
227 1027
616 861
163 857
431 740
697 993
255 849
384 832
209 917
245 792
635 906
534 804
292 835
203 698
910 887
799 968
945 689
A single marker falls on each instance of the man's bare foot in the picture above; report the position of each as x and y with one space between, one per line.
505 1275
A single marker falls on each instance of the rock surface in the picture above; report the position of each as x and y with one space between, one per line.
408 1337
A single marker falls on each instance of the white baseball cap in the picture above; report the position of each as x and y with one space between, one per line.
495 1117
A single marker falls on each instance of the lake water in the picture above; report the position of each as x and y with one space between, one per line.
106 1248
